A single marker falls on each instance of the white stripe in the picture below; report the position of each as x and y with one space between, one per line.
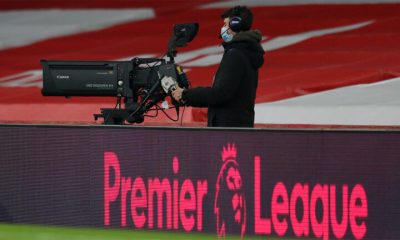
280 42
32 78
364 104
213 54
260 3
19 28
208 56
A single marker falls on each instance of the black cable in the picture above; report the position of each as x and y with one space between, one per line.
143 102
152 116
146 97
166 114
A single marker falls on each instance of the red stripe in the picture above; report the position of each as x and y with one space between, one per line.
365 55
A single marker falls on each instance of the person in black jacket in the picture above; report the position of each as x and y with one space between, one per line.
231 98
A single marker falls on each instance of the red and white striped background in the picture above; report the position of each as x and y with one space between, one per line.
310 48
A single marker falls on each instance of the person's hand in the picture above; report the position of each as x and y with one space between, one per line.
177 94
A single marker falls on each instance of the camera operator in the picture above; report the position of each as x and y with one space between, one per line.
231 98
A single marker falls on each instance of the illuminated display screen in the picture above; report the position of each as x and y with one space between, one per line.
291 183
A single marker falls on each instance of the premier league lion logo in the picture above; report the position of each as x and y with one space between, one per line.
230 204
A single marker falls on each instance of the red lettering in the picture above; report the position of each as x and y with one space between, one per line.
320 229
300 228
280 208
339 230
201 192
111 192
262 226
175 169
187 205
160 189
125 188
138 202
185 202
179 203
358 211
354 210
175 204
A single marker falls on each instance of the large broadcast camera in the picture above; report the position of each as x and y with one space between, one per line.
141 83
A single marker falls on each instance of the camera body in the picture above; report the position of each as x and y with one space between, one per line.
104 78
136 82
85 78
141 83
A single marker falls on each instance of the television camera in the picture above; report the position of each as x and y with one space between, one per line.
140 83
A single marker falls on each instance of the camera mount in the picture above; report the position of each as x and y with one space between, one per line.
136 84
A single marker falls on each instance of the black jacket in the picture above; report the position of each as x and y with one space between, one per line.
231 98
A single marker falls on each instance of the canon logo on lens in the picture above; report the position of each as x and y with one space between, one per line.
62 77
